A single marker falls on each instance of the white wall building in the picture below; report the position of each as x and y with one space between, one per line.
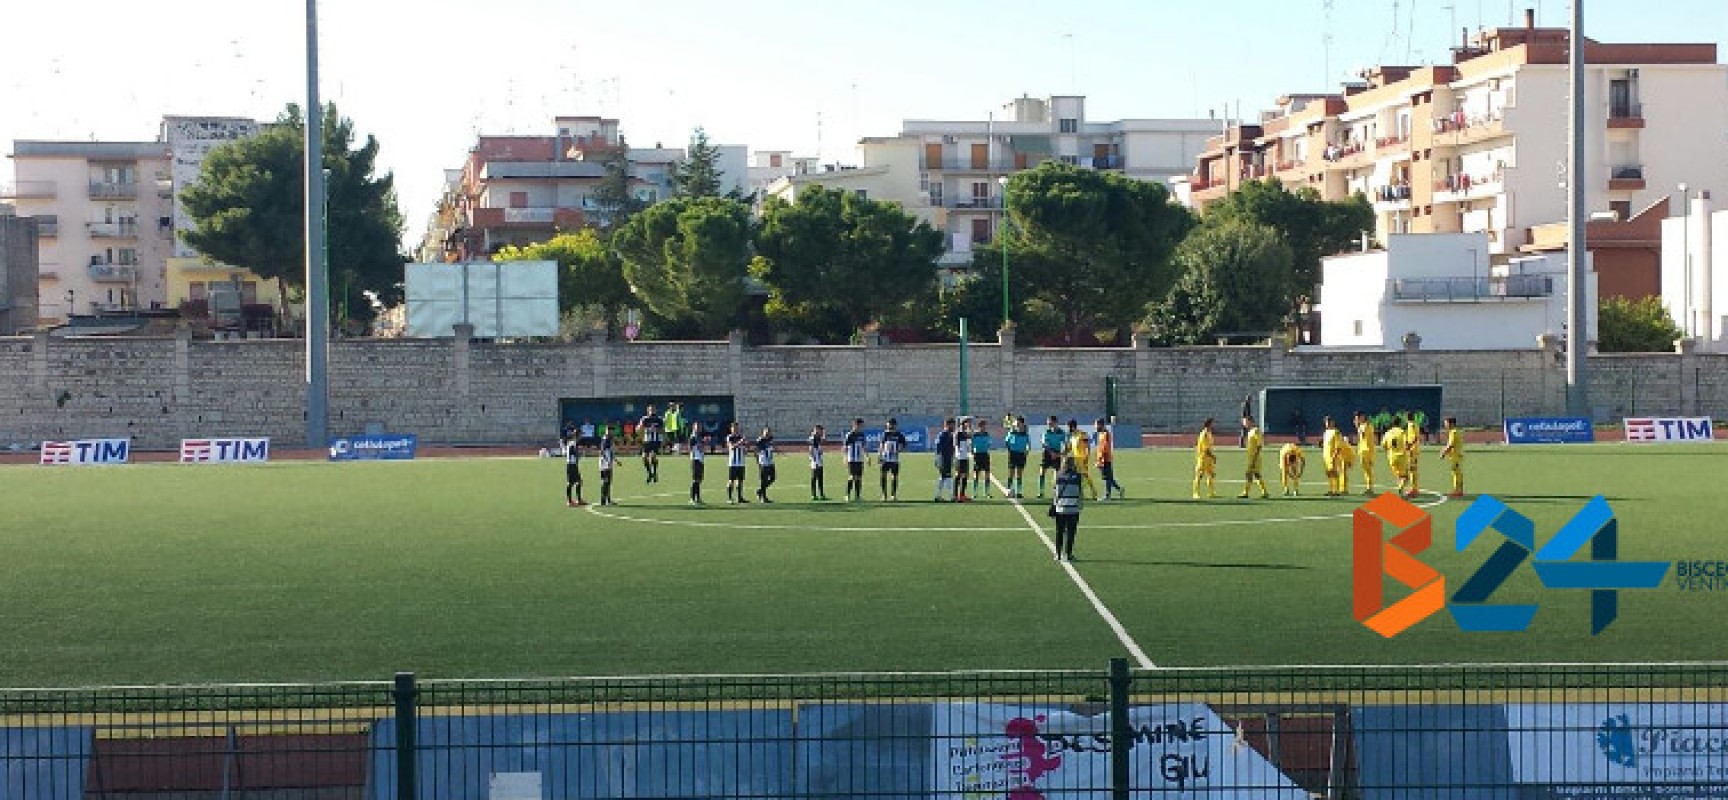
190 140
1442 288
1695 271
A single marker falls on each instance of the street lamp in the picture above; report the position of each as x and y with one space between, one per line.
1003 233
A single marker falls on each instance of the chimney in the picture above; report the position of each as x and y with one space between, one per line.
1529 19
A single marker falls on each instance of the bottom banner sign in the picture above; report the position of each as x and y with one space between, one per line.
1179 750
225 451
87 451
1669 750
1669 429
387 447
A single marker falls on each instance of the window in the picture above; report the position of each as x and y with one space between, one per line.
980 231
1357 327
774 160
936 194
128 257
1068 125
1071 160
980 191
196 291
518 199
863 194
1622 209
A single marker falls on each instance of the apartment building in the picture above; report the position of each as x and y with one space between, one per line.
107 215
768 166
517 190
1480 145
962 166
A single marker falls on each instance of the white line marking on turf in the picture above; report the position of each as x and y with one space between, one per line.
1085 588
594 508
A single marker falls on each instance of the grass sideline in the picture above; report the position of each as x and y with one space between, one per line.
474 568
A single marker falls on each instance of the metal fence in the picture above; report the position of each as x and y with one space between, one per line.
1496 731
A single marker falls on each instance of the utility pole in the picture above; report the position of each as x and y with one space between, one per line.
317 271
1577 287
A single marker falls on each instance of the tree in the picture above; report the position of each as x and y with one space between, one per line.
699 174
1635 326
1094 247
248 210
686 260
1237 277
834 261
1313 228
590 277
612 197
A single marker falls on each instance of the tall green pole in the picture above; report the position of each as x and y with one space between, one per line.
964 372
1006 320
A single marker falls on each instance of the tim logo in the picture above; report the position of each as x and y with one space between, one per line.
1374 556
87 451
224 451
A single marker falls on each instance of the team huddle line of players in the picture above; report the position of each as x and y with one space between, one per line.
1402 443
962 448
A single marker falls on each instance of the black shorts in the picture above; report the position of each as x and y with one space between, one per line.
981 462
696 470
734 473
944 466
1016 460
650 448
855 469
605 476
572 473
962 465
1052 459
767 473
890 468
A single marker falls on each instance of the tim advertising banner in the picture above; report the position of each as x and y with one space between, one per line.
254 450
1549 430
388 447
1180 750
1669 429
87 451
1671 750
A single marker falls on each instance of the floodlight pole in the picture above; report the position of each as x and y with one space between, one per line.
965 375
317 270
1577 287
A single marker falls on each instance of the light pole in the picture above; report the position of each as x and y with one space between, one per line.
1686 259
317 271
1007 321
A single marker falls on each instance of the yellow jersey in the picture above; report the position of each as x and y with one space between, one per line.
1256 443
1393 442
1292 458
1203 446
1413 437
1330 443
1454 451
1366 435
1080 449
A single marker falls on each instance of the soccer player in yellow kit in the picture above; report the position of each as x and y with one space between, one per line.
1413 440
1205 462
1454 453
1397 453
1332 443
1254 444
1291 462
1366 441
1080 449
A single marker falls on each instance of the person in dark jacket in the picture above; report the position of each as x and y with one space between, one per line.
1065 508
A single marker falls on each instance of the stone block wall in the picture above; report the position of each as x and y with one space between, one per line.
159 390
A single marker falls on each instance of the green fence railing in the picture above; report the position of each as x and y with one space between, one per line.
1511 731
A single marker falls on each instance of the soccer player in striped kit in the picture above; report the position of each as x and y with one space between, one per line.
653 429
608 460
698 449
765 464
893 443
962 460
854 447
573 473
737 449
817 490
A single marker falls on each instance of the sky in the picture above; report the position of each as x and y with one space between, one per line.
426 76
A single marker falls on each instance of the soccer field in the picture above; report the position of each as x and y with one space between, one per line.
475 568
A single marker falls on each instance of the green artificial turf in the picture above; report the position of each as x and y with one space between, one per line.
474 568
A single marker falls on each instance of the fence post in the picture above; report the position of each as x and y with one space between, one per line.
406 724
1121 732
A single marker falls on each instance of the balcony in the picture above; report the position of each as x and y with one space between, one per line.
1108 162
113 191
113 230
47 229
1460 129
1463 186
968 165
102 272
1626 178
1472 289
1346 156
1392 144
28 190
1392 197
973 202
1625 115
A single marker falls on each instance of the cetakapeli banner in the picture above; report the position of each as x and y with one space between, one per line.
387 447
1669 429
225 451
1548 430
87 451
